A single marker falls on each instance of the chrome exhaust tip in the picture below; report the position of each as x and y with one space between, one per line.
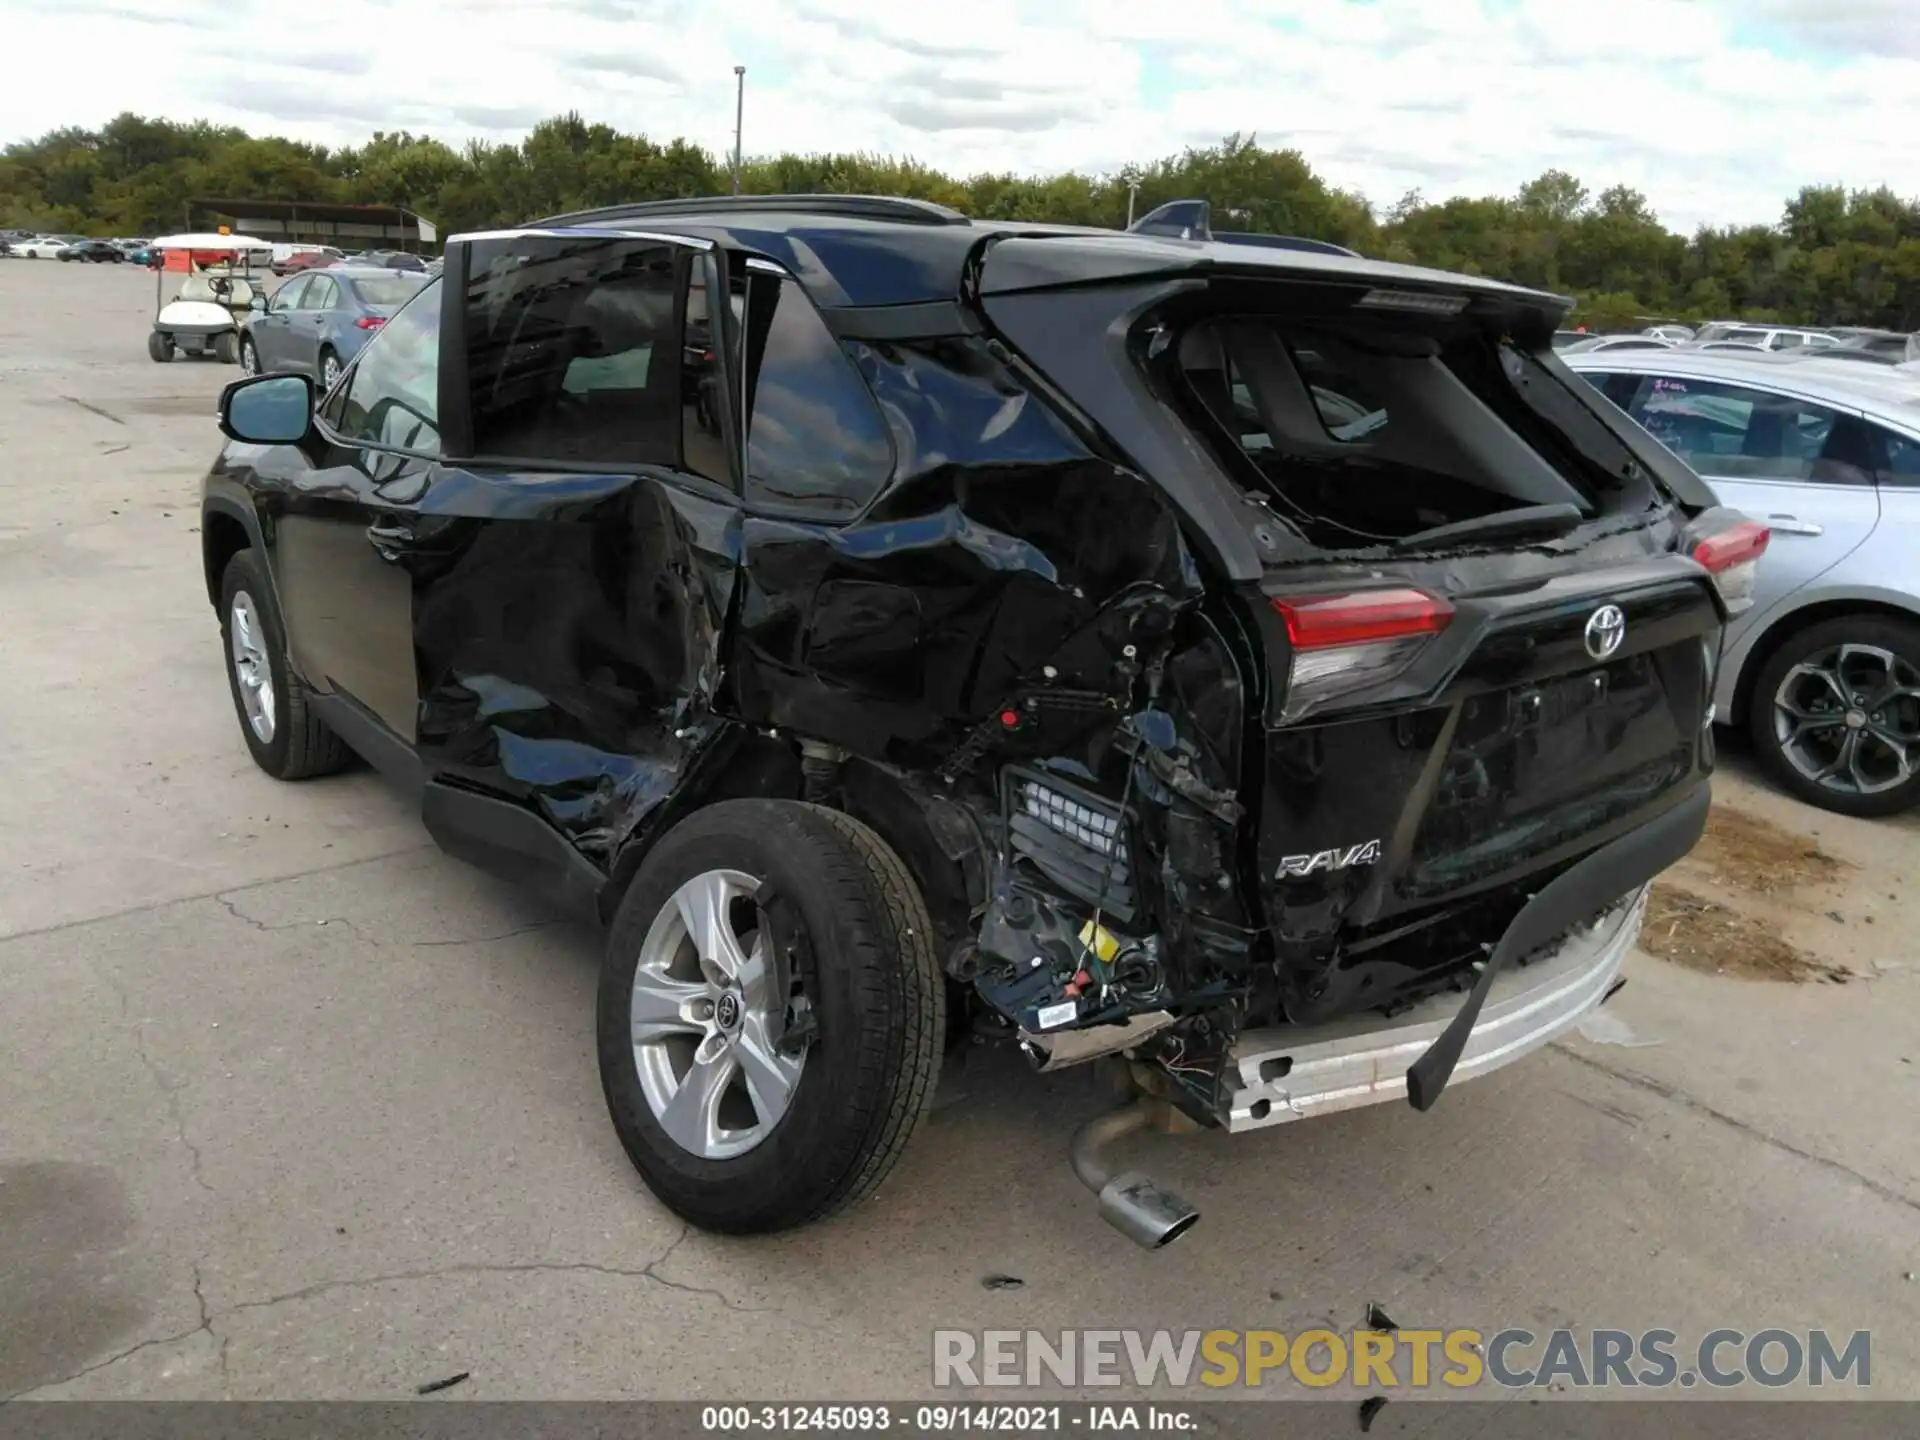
1130 1202
1143 1212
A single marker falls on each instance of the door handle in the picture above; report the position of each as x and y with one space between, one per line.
1793 525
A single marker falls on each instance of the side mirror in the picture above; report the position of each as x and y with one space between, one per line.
258 303
267 409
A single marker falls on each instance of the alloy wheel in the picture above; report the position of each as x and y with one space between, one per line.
249 358
1848 719
329 373
706 1016
252 666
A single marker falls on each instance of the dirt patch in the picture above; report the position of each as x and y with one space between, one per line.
1703 935
1758 856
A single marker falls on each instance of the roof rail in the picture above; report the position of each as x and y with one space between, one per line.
846 207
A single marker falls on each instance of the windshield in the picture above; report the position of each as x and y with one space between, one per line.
387 291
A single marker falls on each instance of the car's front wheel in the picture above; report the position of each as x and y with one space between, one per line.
770 1015
1835 715
283 735
330 369
249 357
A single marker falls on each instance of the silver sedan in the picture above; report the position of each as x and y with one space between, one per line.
1824 669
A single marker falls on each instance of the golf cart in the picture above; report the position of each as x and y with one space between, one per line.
216 294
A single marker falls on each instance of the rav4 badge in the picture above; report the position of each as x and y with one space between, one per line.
1294 867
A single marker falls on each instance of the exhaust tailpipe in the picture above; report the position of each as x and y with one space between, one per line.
1130 1202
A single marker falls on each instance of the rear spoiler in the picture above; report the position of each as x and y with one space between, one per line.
1192 220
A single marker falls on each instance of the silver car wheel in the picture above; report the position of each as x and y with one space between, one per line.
329 373
252 665
705 1018
1849 719
249 358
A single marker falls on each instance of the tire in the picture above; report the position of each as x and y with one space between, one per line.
159 347
329 368
874 988
226 348
297 743
249 357
1866 655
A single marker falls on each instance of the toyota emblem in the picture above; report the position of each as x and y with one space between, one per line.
1606 628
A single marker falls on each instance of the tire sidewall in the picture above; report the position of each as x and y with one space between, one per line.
1900 637
861 1032
244 572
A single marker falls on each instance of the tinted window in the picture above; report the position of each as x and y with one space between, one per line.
1901 458
1742 434
815 439
573 349
391 396
321 294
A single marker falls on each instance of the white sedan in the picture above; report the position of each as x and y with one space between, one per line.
43 247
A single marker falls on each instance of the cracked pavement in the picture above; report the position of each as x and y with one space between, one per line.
297 1107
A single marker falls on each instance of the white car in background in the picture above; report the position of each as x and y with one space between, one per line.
45 247
1824 669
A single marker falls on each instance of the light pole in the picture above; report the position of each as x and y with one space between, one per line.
739 114
1133 189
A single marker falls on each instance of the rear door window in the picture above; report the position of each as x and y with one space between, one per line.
573 349
1739 433
816 442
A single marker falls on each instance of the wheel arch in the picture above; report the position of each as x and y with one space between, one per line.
1877 604
226 529
935 837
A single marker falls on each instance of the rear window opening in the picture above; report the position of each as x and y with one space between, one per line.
1364 435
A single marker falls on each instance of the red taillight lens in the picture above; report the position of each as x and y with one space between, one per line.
371 322
1365 617
1744 542
1343 643
1732 557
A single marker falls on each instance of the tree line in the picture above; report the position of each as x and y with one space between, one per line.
1836 257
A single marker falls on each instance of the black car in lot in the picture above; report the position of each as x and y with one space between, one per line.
1257 665
99 252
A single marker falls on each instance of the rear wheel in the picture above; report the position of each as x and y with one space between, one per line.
770 1015
159 347
1835 715
285 738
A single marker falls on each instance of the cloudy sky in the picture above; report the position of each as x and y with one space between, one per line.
1717 109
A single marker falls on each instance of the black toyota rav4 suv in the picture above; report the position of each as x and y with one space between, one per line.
1271 672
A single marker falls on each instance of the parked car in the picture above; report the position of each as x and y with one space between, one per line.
1676 334
1894 345
1014 648
46 247
1593 344
307 257
393 260
99 252
1763 337
1824 670
316 323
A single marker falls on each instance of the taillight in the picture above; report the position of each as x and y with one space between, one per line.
1732 557
371 322
1346 642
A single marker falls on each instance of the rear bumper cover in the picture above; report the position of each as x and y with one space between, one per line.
1363 1061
